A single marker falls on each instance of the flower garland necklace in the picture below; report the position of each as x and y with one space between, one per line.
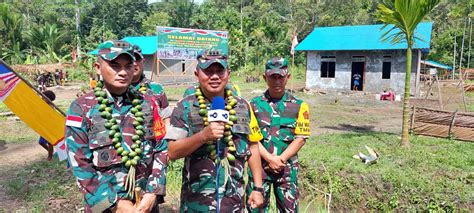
129 158
231 102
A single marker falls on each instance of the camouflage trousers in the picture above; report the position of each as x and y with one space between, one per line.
285 189
227 204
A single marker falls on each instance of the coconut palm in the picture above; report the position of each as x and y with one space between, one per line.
402 17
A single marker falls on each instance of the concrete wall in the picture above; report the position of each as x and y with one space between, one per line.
372 82
150 65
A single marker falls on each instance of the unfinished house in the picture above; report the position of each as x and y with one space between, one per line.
165 71
336 54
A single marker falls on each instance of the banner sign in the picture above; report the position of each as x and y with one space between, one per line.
182 43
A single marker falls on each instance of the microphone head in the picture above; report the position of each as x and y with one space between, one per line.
218 112
218 103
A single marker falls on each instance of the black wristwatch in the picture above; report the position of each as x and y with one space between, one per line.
258 189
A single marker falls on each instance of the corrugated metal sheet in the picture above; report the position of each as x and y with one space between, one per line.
362 37
146 43
436 64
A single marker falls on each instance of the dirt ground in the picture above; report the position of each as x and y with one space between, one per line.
331 112
16 154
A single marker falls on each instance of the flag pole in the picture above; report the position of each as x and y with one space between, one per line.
293 58
36 90
293 67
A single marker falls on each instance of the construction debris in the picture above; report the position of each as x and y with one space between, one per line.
370 159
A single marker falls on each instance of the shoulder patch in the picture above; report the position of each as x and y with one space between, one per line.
74 121
302 123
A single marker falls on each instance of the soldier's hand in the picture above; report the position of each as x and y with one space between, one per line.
255 200
146 204
214 131
124 206
276 163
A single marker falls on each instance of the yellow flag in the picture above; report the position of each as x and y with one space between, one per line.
30 107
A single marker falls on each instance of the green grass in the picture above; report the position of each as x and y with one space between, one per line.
434 174
3 107
175 93
470 101
173 183
16 132
38 184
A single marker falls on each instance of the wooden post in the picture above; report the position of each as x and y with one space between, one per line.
463 92
429 90
157 68
418 71
453 119
439 93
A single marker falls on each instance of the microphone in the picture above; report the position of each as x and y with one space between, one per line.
218 112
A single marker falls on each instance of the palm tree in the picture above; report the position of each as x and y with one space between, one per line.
402 17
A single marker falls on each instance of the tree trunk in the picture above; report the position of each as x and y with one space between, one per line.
406 100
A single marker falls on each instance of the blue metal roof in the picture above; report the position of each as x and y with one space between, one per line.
362 37
436 64
146 43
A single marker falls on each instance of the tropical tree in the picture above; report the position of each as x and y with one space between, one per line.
46 41
402 17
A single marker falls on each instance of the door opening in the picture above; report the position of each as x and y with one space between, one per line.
357 76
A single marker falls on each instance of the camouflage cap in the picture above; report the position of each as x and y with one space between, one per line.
109 50
138 52
276 65
207 57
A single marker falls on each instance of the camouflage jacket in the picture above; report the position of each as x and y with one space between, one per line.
192 89
157 90
198 192
94 160
281 122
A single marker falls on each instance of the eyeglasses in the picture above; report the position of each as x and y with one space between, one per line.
209 73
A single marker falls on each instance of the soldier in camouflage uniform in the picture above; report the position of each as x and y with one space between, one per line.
139 79
192 137
284 122
93 152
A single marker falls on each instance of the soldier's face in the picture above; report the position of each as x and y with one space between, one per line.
117 74
276 83
139 64
213 79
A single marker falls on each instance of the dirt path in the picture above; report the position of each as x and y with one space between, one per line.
15 156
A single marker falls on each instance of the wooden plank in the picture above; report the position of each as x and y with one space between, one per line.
452 122
440 123
439 93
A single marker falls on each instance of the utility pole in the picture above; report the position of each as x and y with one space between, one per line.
454 56
462 49
78 29
469 52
